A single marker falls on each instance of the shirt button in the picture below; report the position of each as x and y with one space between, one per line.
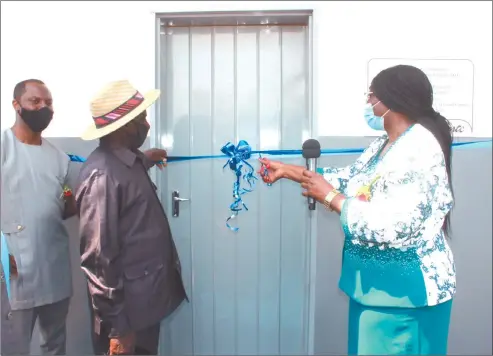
146 273
19 227
9 316
2 278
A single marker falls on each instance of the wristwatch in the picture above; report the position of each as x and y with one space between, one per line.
328 199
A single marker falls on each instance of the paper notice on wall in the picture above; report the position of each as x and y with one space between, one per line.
453 87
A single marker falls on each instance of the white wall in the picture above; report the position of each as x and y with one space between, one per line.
76 47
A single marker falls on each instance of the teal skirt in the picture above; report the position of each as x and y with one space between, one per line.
398 331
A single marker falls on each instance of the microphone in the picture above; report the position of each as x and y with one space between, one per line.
311 151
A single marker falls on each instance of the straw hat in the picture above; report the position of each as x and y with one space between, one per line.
115 105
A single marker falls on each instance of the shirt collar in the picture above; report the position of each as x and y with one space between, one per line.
125 155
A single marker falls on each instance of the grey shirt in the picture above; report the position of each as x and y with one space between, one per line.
127 252
10 341
32 221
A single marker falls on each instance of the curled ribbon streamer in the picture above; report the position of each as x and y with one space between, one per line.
238 156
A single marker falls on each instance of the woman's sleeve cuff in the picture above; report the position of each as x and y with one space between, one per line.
343 217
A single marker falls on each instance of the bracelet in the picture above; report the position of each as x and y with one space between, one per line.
329 198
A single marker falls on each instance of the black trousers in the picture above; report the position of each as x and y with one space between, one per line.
147 342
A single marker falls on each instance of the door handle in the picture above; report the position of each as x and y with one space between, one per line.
180 199
175 202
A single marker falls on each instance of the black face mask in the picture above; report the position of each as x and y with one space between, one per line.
37 120
137 139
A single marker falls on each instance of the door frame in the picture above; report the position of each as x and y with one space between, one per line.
156 125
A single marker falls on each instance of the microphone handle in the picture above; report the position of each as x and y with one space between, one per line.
311 165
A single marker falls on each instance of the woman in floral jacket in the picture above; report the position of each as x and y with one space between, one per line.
394 204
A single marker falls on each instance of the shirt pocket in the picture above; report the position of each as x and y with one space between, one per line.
143 281
141 276
12 227
11 217
144 290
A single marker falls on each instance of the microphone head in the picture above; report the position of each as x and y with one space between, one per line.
311 149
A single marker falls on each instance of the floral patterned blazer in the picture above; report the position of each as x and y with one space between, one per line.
395 251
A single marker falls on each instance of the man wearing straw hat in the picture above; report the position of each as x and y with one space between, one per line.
127 251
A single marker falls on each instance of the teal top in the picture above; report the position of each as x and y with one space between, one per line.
395 251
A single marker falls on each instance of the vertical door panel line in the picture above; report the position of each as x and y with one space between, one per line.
190 149
258 200
306 259
154 113
235 74
280 142
212 98
312 232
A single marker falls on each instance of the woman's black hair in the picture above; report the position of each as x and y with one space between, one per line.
407 90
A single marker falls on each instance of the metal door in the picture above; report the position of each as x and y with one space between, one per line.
249 290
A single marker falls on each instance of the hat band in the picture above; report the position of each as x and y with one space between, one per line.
116 114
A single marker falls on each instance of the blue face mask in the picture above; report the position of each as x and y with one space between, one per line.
375 122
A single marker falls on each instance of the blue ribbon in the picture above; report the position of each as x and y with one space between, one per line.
237 160
5 263
329 152
75 158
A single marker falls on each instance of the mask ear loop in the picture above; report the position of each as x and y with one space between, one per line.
378 102
385 112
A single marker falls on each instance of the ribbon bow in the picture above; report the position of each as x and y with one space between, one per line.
238 156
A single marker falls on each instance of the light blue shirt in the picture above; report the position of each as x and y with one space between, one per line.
32 184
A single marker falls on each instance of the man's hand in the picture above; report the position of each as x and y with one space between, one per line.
124 345
13 268
157 156
70 208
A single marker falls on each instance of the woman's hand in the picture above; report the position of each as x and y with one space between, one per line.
270 171
315 186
